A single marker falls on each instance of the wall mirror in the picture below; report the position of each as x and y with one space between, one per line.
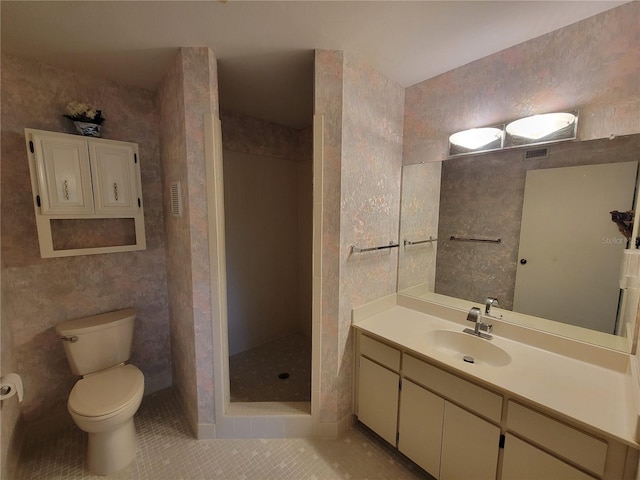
463 238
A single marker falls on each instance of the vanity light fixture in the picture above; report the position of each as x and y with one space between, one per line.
476 140
537 127
533 130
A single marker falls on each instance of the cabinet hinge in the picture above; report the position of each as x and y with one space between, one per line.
400 384
139 202
501 442
135 158
31 148
38 200
397 438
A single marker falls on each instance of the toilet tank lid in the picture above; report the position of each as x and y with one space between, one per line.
95 322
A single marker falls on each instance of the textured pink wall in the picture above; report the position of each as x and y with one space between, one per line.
361 202
371 171
39 293
200 78
174 164
187 92
591 66
328 102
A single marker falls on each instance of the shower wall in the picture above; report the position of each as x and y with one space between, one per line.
267 182
187 95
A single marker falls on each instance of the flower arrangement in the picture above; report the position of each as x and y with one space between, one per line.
83 112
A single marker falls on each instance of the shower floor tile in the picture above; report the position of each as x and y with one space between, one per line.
168 451
254 374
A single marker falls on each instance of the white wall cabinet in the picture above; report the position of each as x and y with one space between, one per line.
115 178
63 173
455 429
81 178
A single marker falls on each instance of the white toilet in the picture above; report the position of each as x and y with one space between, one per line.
109 393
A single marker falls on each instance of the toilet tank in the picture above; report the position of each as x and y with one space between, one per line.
98 342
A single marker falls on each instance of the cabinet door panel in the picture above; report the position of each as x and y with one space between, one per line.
471 396
526 462
378 399
582 449
420 426
64 178
381 353
114 178
469 446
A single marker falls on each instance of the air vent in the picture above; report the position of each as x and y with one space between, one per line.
176 199
537 153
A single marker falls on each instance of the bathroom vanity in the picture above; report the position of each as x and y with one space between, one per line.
523 405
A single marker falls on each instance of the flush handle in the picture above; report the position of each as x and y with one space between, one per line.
72 339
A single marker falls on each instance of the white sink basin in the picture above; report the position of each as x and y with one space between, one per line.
468 348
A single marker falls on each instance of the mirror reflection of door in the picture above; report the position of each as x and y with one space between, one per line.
570 250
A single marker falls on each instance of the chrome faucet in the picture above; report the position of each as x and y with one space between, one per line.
475 316
490 302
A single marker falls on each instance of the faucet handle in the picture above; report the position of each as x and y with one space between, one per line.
485 327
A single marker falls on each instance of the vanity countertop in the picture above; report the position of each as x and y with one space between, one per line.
601 396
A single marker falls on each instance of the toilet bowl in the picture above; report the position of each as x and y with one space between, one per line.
104 401
103 405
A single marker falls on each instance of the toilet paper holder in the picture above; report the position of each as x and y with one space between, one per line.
10 385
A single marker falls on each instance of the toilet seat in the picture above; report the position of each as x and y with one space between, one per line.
105 394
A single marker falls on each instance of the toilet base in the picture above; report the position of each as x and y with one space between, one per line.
112 450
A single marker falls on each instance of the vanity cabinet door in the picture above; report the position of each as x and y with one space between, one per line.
420 426
378 392
523 461
470 446
115 177
64 176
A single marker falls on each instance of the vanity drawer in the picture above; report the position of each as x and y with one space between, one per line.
379 352
467 394
574 445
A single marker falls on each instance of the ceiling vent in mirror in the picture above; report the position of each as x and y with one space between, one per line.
176 199
537 153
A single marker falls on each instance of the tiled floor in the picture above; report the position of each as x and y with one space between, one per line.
254 374
167 451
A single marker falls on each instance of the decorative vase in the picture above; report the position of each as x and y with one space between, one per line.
88 129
